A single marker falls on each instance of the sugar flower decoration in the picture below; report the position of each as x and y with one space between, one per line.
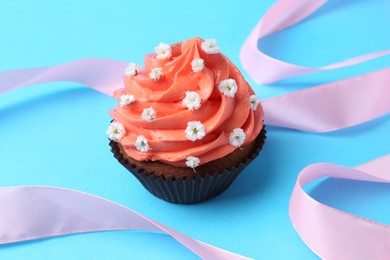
126 100
210 46
116 131
131 70
163 51
155 73
237 137
148 114
197 65
192 162
141 144
192 100
254 102
195 130
228 87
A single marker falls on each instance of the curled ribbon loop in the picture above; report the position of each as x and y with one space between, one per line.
332 233
285 13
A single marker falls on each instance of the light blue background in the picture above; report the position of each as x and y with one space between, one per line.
54 134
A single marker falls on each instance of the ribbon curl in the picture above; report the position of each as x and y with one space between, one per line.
282 15
330 233
335 234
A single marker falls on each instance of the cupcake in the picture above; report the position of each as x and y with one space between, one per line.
186 124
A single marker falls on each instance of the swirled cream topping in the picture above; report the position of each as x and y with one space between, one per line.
188 106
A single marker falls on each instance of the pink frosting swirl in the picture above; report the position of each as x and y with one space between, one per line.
218 113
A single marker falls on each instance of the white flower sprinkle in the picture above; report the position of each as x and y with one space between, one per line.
228 87
148 114
237 137
141 144
254 101
126 100
116 131
192 162
197 65
192 100
131 70
163 51
210 46
155 73
195 130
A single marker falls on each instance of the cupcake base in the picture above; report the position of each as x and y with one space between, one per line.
189 189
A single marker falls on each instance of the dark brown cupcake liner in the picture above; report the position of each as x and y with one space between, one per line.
189 190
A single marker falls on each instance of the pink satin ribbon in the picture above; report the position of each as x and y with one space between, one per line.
329 232
335 234
332 106
324 108
103 75
285 13
55 211
69 211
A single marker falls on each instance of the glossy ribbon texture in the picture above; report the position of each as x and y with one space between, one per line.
29 213
71 211
324 108
102 75
330 233
332 106
285 13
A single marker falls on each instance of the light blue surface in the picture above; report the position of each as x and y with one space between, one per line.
54 134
